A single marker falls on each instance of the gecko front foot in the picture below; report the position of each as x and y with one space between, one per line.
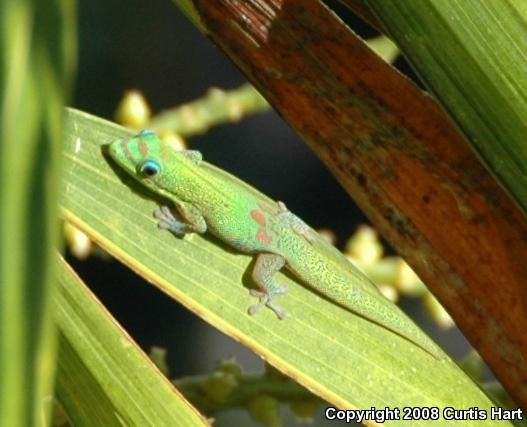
167 221
266 300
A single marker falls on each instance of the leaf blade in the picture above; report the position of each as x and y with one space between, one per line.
103 377
477 69
312 345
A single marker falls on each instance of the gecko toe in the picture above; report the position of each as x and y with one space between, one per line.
163 225
280 312
280 290
264 299
253 309
257 293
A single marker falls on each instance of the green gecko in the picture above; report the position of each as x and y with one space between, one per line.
219 203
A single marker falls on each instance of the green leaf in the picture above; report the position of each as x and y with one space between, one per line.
36 61
343 358
471 56
103 378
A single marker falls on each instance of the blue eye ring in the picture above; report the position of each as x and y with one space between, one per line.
149 168
146 132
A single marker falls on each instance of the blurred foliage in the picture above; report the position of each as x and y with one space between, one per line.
38 42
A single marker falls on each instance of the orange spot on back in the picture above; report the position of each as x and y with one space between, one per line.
263 237
258 216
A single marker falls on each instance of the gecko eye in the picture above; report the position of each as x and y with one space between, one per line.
149 169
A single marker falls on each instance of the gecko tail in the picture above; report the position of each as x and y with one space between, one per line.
391 317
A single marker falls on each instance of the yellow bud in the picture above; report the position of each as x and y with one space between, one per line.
219 386
265 409
438 313
384 47
133 110
305 409
328 235
173 139
79 243
231 367
389 292
364 245
407 281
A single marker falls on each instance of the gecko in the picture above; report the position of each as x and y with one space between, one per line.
206 199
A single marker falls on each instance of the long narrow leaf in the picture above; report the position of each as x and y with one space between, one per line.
472 55
36 57
399 156
103 378
345 359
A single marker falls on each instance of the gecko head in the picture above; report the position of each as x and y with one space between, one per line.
152 161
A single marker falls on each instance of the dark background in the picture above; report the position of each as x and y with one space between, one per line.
151 46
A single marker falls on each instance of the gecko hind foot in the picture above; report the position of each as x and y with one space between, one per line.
267 300
296 224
